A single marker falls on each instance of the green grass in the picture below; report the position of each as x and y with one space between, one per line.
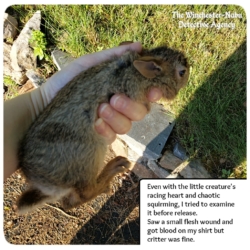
210 111
11 88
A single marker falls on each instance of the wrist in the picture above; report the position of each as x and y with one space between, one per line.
37 103
19 114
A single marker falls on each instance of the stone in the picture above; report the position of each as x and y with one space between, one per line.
61 59
17 76
180 168
9 26
169 161
21 54
142 172
160 172
28 86
7 69
186 169
36 79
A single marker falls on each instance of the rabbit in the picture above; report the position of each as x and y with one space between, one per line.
62 155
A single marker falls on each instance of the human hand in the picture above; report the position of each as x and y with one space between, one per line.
115 117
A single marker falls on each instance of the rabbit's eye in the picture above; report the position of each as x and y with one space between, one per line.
181 73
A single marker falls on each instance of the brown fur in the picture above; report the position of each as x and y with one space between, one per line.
62 155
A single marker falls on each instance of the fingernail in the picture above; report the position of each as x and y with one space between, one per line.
98 122
101 129
118 102
105 111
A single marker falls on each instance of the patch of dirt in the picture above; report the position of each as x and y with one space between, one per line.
108 219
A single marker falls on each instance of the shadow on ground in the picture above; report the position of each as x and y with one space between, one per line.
217 110
114 228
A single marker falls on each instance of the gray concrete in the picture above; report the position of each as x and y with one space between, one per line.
148 137
61 59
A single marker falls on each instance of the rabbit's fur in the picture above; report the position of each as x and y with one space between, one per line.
62 155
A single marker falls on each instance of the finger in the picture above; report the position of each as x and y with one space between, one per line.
154 94
118 122
104 130
133 110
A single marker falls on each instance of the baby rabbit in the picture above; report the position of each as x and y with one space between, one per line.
62 155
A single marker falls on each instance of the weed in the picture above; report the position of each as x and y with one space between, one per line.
225 173
11 87
38 43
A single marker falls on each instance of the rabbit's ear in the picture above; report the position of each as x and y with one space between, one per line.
149 69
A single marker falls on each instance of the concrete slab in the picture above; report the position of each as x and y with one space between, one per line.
61 59
148 137
186 169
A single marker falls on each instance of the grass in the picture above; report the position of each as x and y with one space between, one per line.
210 111
11 88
